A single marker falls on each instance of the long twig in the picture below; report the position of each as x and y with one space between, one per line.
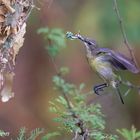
129 47
79 123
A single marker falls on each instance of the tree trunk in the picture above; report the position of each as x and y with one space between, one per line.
13 17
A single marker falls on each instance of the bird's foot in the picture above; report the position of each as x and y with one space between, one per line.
99 88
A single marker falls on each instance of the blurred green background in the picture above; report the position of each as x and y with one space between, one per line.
34 70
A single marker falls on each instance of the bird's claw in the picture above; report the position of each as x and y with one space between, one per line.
97 89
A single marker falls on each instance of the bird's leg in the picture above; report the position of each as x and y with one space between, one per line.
99 88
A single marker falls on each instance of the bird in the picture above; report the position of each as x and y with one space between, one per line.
105 62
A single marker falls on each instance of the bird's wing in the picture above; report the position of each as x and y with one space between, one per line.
118 60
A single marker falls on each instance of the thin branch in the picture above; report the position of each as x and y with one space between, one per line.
84 131
52 59
129 47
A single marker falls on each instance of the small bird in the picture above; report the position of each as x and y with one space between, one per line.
105 62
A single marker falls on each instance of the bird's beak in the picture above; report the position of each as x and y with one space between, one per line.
90 44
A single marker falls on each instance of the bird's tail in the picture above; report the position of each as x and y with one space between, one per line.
115 85
119 94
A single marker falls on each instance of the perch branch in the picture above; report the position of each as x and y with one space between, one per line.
129 47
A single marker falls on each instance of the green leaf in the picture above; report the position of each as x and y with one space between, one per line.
129 134
81 87
64 71
58 40
53 109
55 39
57 31
51 103
57 120
62 100
53 50
98 136
137 135
35 133
21 135
44 30
3 134
58 37
50 135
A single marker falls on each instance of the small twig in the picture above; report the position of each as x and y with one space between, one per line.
129 47
52 59
31 6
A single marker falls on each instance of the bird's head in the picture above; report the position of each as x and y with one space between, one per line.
90 44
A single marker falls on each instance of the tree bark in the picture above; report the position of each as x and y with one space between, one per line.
13 17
